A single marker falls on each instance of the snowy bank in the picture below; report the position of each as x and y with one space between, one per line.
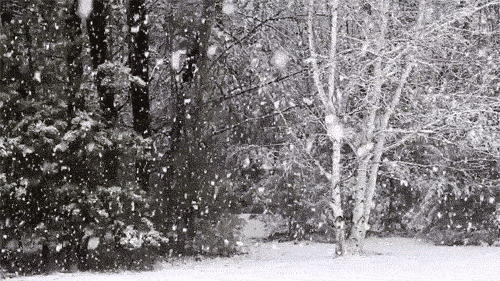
386 259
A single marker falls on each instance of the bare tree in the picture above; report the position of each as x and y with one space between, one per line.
379 105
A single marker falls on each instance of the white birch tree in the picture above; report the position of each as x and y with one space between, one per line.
391 66
330 100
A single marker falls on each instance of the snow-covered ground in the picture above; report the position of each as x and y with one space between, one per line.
386 259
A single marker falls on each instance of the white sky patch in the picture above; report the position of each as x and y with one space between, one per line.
212 50
85 8
280 59
228 7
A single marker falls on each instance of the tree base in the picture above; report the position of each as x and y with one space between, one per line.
350 247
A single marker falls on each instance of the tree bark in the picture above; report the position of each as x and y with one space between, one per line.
96 26
139 91
194 78
73 61
369 162
360 220
330 101
384 125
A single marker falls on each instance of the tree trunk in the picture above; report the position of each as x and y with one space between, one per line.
73 61
331 101
139 91
369 164
337 210
380 142
379 146
96 26
194 78
359 221
335 133
211 9
365 154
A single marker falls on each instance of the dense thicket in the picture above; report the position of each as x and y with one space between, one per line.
76 131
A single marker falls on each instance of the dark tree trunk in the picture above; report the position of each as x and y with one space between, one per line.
193 76
179 109
47 259
96 26
73 61
138 62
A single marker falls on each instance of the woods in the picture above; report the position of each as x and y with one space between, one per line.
136 130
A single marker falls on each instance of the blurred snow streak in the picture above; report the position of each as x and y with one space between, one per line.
84 8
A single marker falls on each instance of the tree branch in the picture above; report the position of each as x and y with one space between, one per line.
280 112
314 62
238 92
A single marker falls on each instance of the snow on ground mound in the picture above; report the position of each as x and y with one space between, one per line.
386 259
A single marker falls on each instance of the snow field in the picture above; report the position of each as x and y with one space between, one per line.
386 259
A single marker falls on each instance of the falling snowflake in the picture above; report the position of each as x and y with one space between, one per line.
334 129
37 76
228 8
280 59
212 50
177 59
93 243
134 29
85 8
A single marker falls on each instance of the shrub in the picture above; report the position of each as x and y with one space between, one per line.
449 216
393 200
219 237
57 188
196 201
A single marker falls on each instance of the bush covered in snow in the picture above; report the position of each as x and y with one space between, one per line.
65 199
464 219
450 201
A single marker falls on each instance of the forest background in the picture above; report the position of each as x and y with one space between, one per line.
133 130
